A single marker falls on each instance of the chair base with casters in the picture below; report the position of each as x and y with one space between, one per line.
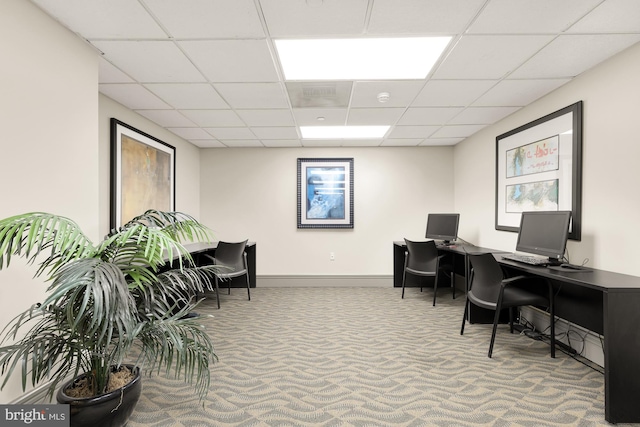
489 289
234 258
422 260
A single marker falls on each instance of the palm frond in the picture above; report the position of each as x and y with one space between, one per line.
96 297
181 346
102 300
42 353
28 235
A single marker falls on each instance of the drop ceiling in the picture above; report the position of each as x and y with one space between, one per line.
208 71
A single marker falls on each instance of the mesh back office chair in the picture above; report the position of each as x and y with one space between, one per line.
422 259
489 289
233 256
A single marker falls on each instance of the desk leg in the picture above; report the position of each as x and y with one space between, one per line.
621 350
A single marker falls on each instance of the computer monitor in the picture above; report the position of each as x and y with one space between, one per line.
442 226
544 233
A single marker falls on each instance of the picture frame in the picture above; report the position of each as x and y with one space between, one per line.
142 173
539 168
325 193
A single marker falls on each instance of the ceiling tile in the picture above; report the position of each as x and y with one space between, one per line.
207 143
488 57
150 61
222 133
573 54
102 19
133 96
457 131
440 141
451 93
532 17
322 142
276 117
214 118
482 115
188 96
207 70
401 93
310 116
412 131
242 143
253 95
282 143
208 18
109 73
290 18
374 116
406 142
428 116
190 133
422 16
232 60
361 142
275 132
611 16
518 93
167 118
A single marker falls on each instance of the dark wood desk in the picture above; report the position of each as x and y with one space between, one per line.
609 304
198 250
605 302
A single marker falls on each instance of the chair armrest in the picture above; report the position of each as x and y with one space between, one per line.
510 281
516 279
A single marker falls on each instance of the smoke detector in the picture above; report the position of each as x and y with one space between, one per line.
383 97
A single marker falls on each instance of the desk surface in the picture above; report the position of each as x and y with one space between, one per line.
199 247
602 301
597 279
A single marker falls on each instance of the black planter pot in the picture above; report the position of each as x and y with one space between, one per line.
98 411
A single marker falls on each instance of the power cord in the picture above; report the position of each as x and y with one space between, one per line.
566 259
529 330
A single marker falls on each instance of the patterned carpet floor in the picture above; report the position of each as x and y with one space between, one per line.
366 357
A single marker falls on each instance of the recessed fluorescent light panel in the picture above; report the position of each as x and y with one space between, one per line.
342 132
360 59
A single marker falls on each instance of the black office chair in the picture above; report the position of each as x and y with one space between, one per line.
234 257
422 259
489 289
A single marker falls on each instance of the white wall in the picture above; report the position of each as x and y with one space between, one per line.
187 159
252 193
49 144
611 149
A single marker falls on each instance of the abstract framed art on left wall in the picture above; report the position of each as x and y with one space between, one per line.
142 173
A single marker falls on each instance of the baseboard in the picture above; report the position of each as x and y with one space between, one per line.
324 281
38 395
592 348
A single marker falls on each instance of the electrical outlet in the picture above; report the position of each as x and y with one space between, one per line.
332 256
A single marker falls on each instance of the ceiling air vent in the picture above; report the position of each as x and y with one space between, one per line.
319 95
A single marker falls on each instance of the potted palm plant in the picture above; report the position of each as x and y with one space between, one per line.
125 299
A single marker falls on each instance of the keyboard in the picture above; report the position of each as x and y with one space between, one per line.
526 259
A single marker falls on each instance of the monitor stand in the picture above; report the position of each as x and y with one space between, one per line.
554 262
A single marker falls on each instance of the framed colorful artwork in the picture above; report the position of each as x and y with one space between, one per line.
539 168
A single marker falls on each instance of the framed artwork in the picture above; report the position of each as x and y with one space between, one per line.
142 173
539 168
325 193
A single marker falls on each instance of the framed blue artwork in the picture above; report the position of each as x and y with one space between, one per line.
325 193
